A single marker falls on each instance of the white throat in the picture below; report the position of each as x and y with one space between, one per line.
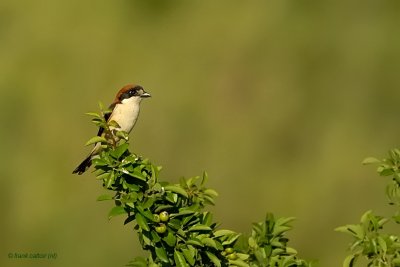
126 113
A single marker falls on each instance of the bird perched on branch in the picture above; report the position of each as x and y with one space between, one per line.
124 112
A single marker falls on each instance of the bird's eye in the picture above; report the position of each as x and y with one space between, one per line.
133 92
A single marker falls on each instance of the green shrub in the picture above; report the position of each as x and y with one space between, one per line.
171 220
370 241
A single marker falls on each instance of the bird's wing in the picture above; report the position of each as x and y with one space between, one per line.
106 117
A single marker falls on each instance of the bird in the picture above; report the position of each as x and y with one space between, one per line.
124 111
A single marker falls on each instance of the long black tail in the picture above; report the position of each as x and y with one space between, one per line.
84 165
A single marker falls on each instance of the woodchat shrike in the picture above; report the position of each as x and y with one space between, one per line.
124 111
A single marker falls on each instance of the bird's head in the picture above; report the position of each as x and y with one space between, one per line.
131 92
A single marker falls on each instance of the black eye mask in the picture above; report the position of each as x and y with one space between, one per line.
132 92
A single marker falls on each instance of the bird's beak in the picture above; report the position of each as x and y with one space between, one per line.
145 95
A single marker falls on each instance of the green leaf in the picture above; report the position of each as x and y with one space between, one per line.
209 242
142 222
104 175
261 257
190 220
258 229
104 197
171 197
350 261
162 254
182 182
223 232
252 242
342 229
239 263
176 189
209 199
200 227
174 224
145 213
231 239
138 262
160 208
135 174
284 221
114 124
170 239
243 256
370 160
94 114
382 221
291 251
278 230
211 192
355 230
99 162
155 237
180 259
101 106
192 181
96 139
366 217
195 242
189 254
120 150
99 122
214 259
382 244
145 239
133 187
207 218
122 135
149 202
116 211
385 171
110 180
204 179
154 172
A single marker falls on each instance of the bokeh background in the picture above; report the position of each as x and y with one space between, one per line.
279 101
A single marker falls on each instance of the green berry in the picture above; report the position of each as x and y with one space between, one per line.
164 216
229 250
161 228
232 256
156 218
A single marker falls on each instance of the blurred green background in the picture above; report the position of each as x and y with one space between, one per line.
278 100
